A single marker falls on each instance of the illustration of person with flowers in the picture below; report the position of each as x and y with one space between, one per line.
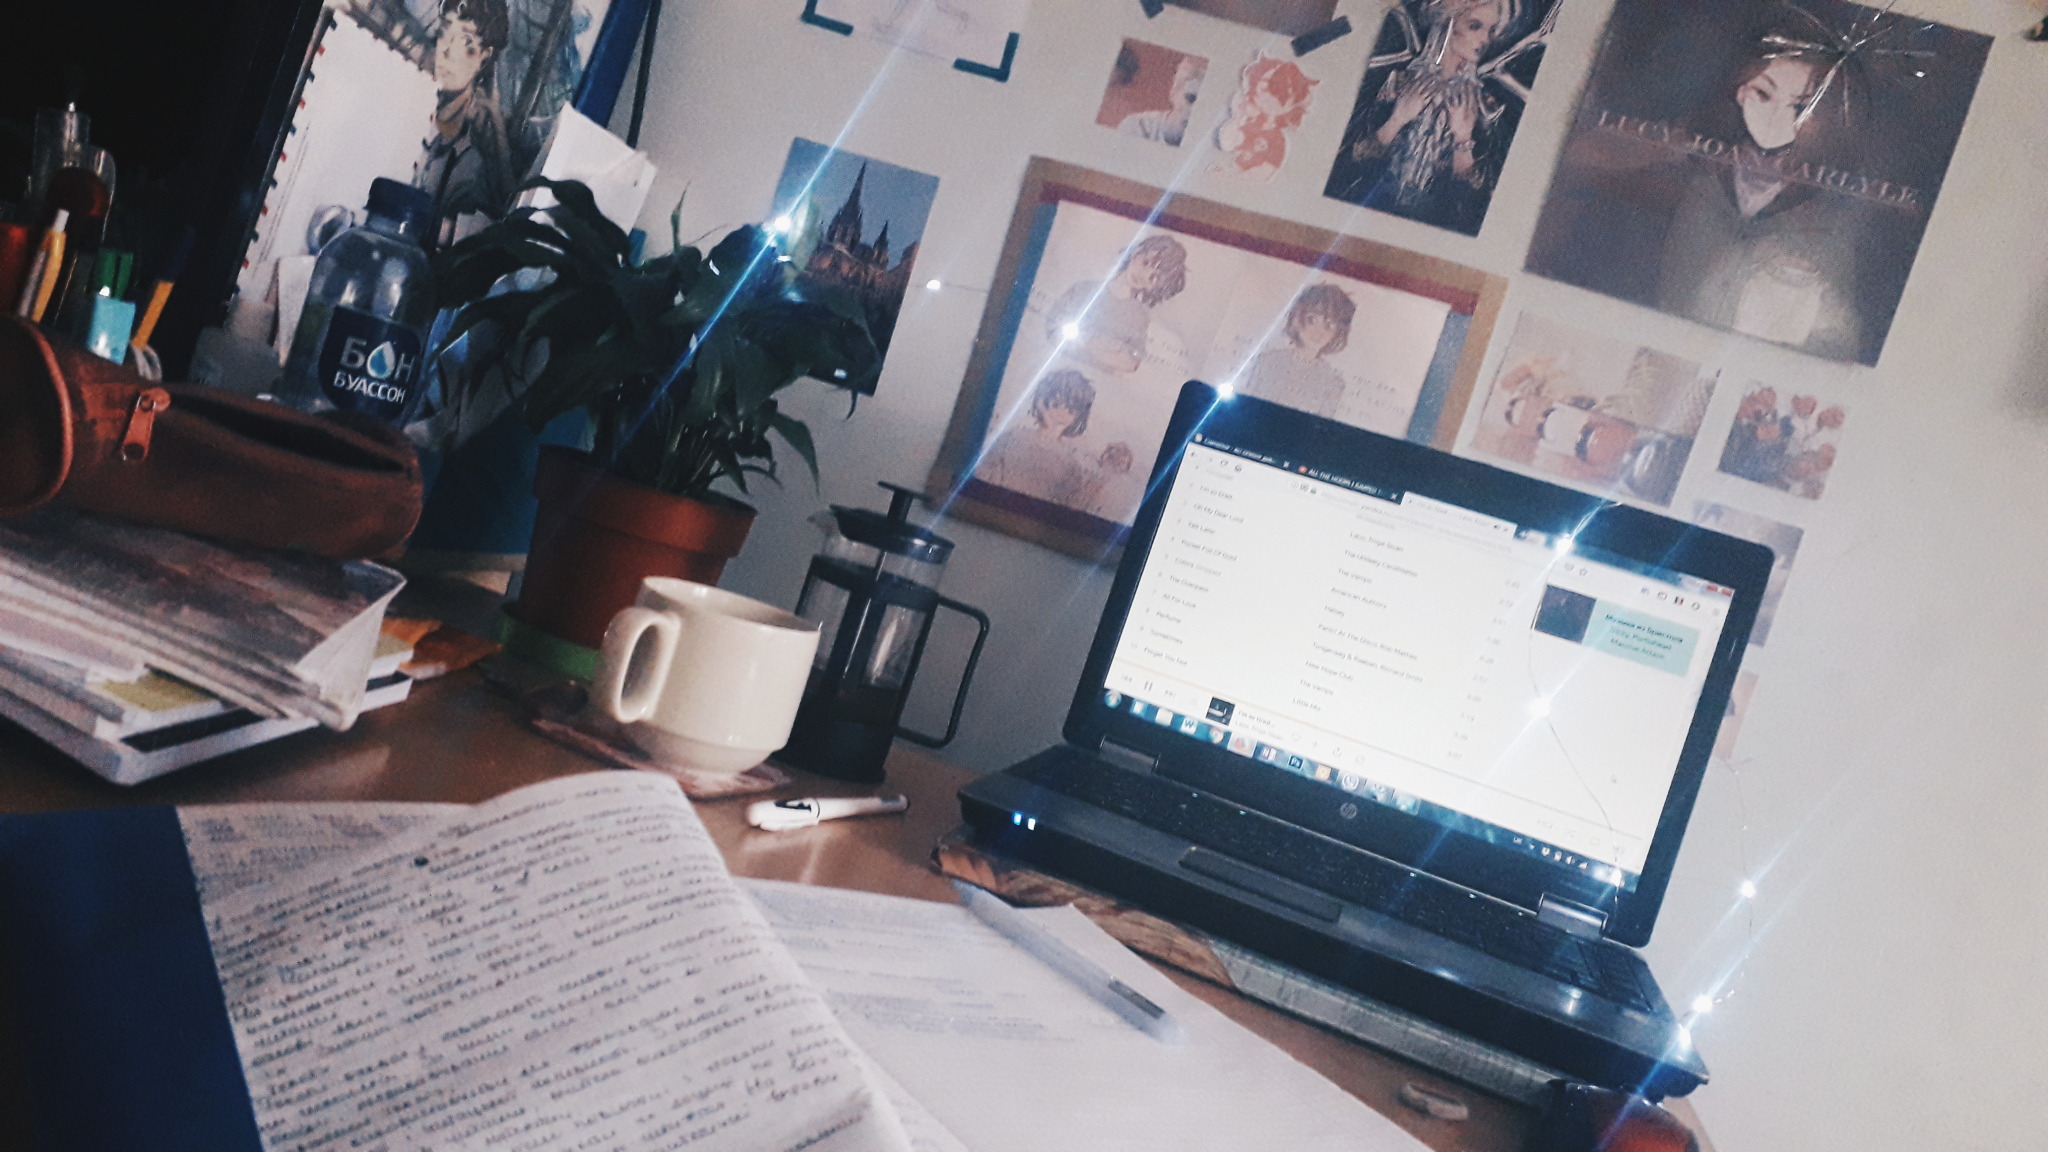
1790 449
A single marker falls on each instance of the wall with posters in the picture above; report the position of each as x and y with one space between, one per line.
1860 898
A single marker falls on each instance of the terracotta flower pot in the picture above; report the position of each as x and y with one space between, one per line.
595 537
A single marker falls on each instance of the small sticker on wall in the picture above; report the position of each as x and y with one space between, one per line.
1781 539
1784 439
1738 710
1151 92
1273 97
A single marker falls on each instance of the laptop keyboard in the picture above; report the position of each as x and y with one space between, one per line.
1353 875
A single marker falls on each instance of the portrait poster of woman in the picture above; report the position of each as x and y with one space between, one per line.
1440 103
1760 166
1121 298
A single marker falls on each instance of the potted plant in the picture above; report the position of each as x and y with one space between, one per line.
677 361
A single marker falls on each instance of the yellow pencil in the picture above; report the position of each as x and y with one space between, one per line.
43 274
161 294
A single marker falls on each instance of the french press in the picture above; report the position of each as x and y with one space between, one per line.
873 591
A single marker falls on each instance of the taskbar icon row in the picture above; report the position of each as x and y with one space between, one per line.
1205 728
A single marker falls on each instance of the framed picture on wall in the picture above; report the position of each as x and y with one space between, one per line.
1118 293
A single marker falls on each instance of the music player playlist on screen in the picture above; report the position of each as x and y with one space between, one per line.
1498 680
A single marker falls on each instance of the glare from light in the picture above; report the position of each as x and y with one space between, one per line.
1539 707
933 285
1748 890
1684 1036
1070 331
1225 390
1565 544
1702 1004
781 225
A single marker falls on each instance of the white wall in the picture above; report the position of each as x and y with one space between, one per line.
1884 989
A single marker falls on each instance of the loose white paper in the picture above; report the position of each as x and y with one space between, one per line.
619 177
1008 1054
569 965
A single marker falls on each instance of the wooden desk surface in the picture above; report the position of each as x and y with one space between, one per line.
457 740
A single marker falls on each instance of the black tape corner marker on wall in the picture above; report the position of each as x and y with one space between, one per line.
1152 7
1000 73
811 16
1315 38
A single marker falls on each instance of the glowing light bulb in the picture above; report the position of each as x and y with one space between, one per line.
1748 890
1070 331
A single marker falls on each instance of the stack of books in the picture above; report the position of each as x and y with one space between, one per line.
136 650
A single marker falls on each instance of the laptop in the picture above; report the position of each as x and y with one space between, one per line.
1418 726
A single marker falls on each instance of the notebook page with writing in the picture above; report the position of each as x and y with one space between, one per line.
1009 1055
233 846
569 962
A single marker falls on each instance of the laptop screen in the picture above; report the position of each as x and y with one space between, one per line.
1490 659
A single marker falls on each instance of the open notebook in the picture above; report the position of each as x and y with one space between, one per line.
572 962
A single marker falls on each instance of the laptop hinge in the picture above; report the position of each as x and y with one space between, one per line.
1577 919
1126 757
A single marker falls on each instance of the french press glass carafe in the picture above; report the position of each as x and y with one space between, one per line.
873 591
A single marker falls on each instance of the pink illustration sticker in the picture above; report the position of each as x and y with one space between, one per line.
1270 103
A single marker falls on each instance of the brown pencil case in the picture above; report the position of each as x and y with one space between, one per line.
86 432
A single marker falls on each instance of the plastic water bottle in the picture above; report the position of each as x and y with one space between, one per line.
361 340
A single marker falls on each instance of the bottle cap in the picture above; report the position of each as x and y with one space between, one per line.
410 206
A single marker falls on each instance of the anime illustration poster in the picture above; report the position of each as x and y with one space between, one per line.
1441 101
1122 293
454 96
1760 166
1599 413
1272 99
1287 17
853 225
1151 92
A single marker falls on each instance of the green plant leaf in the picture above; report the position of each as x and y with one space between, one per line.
798 436
578 215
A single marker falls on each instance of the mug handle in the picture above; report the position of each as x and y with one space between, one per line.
621 640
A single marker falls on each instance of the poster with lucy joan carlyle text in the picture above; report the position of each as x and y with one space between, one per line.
1760 166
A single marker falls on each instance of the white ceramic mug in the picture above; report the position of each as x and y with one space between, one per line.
703 678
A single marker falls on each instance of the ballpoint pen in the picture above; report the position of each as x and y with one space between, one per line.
1093 978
